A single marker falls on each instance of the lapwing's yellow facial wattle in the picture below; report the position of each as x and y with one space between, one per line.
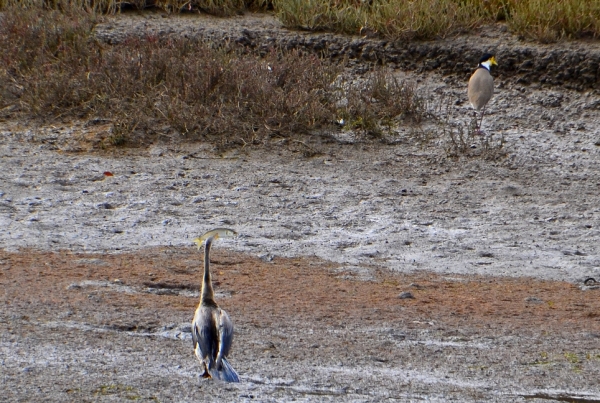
493 61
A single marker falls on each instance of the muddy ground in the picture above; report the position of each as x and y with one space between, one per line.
115 327
99 277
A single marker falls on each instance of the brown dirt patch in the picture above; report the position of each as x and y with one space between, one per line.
41 284
95 327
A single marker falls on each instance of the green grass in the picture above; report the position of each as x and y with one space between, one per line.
419 19
548 21
542 20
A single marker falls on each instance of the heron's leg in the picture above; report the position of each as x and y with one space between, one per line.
206 374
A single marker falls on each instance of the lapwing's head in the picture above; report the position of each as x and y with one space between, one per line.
488 60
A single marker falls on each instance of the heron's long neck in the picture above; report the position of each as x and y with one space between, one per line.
207 294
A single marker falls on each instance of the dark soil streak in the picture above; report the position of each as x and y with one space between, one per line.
574 64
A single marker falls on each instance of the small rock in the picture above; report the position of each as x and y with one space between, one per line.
485 254
406 295
512 190
575 252
533 300
370 253
266 257
593 335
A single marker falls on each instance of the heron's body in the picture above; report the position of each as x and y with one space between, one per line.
212 330
481 85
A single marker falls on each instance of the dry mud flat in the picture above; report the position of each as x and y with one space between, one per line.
99 278
115 327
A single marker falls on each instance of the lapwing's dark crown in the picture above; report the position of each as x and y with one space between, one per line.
486 57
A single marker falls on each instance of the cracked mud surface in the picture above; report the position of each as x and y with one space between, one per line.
494 253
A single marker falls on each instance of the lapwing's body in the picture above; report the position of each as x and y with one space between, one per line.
481 85
212 330
481 88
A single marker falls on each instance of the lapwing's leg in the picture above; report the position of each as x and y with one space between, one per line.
481 121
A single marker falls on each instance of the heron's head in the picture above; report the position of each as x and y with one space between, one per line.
199 241
215 234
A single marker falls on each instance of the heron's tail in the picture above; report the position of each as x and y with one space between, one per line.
226 373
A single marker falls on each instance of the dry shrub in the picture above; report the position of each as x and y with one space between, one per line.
543 20
222 8
44 54
55 68
380 102
464 140
215 7
108 6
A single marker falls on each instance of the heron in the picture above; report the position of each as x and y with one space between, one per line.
212 330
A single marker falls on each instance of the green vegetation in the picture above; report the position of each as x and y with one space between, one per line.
576 360
394 19
548 21
573 358
543 20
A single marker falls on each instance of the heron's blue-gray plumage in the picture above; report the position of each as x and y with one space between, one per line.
212 330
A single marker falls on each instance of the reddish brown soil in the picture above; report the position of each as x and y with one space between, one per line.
85 327
36 284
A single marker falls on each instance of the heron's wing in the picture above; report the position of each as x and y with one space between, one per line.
194 334
225 332
204 336
224 370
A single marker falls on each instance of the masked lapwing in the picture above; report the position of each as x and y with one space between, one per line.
481 86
